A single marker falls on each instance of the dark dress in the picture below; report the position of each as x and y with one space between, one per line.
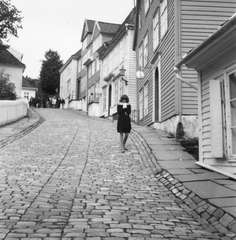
123 124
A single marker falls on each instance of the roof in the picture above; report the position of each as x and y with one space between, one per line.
223 30
136 25
29 83
129 21
90 25
87 28
108 28
75 56
7 58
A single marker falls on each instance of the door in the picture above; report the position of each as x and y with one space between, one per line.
156 100
109 99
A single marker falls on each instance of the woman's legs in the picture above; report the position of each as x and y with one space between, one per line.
125 139
121 142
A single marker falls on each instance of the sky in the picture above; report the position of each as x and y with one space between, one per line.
58 25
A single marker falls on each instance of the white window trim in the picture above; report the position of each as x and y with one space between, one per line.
156 30
227 72
146 6
163 11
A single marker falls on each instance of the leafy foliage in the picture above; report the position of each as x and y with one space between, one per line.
7 88
10 20
49 74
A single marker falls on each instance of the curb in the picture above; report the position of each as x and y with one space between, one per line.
216 219
25 131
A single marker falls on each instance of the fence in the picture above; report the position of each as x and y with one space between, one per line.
11 111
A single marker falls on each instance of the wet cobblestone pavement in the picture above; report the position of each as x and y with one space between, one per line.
67 180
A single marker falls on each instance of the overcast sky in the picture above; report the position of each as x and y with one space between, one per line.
58 25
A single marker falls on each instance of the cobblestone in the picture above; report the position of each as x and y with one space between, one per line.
67 179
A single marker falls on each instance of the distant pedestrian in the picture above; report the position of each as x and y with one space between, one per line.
58 103
50 101
63 103
54 101
124 123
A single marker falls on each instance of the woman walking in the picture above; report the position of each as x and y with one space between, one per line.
124 123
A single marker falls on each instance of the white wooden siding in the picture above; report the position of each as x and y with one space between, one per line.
199 19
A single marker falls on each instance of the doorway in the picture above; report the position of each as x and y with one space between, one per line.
109 99
156 99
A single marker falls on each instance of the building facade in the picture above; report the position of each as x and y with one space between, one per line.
94 35
68 81
13 68
215 62
118 62
165 31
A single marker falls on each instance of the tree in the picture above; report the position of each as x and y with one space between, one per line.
10 20
49 74
7 88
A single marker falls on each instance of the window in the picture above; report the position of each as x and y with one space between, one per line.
231 111
79 65
116 57
140 53
145 51
139 21
145 91
89 71
104 99
68 85
164 24
156 30
141 104
110 61
122 49
93 68
97 64
146 6
116 92
122 87
83 83
97 87
105 67
26 95
96 44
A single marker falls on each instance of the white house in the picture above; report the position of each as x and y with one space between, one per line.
68 81
215 62
94 35
118 72
13 67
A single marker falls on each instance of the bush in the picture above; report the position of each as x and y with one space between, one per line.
7 88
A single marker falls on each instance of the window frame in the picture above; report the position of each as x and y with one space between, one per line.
227 73
140 54
146 6
163 18
145 50
141 104
145 99
156 29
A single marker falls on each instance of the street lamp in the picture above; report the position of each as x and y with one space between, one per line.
122 74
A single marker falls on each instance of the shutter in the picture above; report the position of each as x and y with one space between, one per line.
216 119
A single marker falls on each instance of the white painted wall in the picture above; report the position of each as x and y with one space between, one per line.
12 110
15 76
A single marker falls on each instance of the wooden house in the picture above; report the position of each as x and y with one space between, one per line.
118 62
29 88
94 35
68 81
12 66
165 31
215 62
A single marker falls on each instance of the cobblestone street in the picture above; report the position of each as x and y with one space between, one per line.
67 180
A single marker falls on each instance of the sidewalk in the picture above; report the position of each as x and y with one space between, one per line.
209 194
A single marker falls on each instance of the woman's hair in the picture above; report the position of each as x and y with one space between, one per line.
124 97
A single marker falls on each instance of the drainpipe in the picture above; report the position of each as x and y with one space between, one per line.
177 70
